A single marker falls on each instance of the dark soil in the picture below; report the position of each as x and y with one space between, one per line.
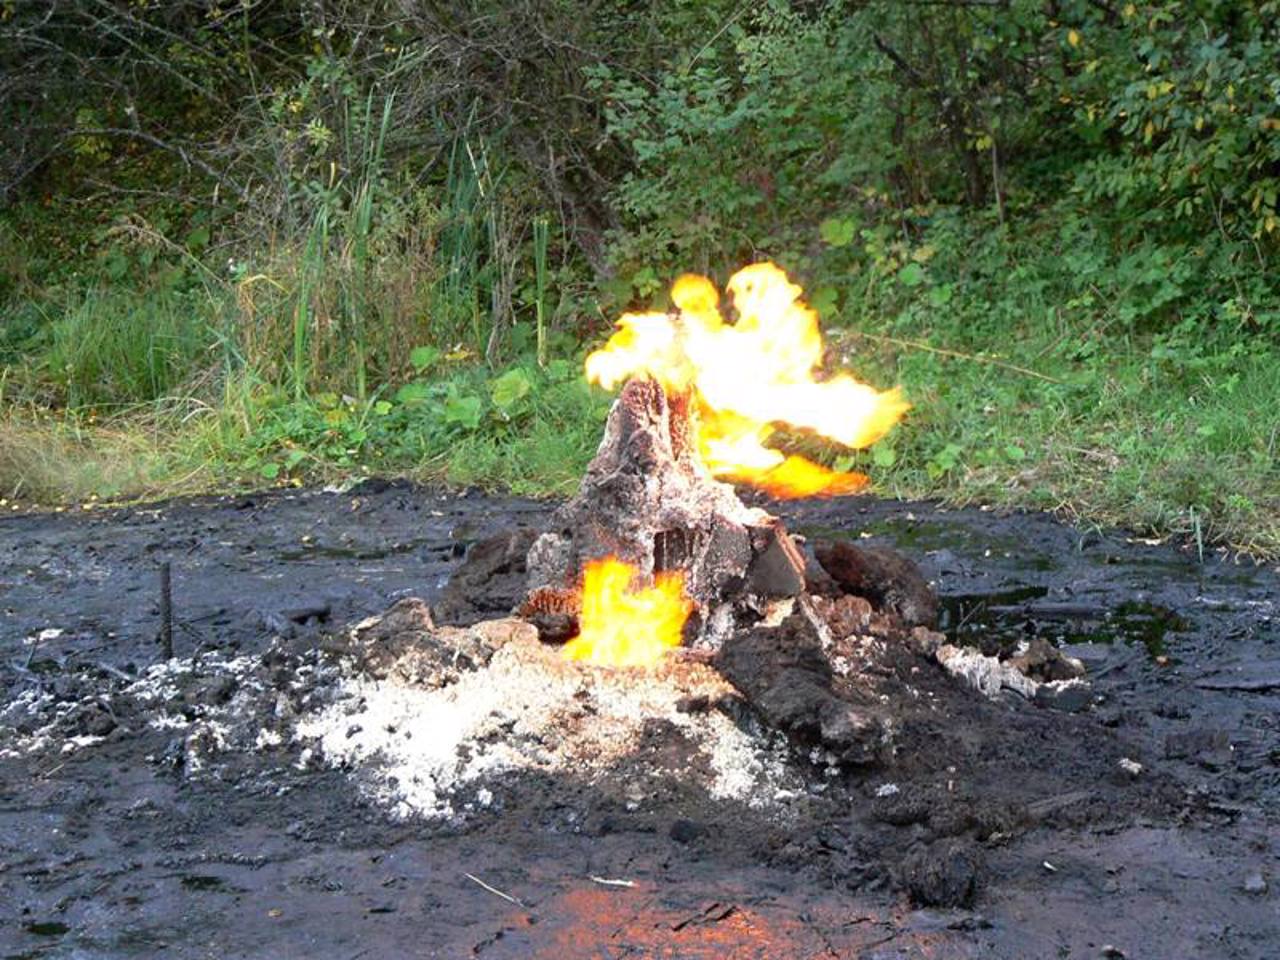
997 829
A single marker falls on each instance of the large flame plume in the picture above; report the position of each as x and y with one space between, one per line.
748 377
622 627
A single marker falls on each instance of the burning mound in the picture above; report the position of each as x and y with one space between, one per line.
654 553
703 398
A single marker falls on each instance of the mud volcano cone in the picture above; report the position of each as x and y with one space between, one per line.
647 500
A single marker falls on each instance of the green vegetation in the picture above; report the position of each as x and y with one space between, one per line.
286 243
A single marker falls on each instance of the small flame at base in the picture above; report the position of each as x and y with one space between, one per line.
621 627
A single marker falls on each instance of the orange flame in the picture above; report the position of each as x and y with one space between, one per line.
621 627
750 376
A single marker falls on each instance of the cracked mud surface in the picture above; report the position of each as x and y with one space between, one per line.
165 811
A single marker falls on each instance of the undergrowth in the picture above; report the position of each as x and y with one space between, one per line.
349 251
1025 393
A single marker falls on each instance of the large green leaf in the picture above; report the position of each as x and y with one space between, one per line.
509 389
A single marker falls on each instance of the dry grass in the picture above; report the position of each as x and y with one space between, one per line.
47 460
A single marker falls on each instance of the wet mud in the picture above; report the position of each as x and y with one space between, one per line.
1145 825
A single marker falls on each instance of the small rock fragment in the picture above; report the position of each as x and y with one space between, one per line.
1131 767
882 575
1070 696
777 569
1255 883
845 616
926 642
985 674
554 611
1042 661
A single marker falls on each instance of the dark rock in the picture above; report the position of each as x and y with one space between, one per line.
94 720
212 691
1042 661
784 674
1070 696
818 582
944 874
555 627
695 704
686 831
901 810
882 575
778 567
408 616
309 612
491 581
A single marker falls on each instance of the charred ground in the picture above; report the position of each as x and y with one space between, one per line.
1000 828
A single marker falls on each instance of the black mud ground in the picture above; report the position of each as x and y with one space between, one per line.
1023 815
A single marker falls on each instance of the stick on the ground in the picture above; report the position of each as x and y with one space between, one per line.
31 654
927 348
610 882
166 609
494 890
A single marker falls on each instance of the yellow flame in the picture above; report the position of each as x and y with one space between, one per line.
748 376
621 627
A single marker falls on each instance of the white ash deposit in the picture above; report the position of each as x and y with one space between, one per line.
440 726
96 704
435 752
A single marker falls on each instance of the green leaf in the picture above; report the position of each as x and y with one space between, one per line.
423 357
912 275
837 231
1015 452
412 393
940 295
382 408
293 458
509 389
883 455
270 470
463 412
645 281
825 301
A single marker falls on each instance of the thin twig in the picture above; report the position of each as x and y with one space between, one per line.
494 890
166 610
35 645
917 345
114 671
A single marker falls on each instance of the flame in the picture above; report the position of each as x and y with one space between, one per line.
621 627
748 377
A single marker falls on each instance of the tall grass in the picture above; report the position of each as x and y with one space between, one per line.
112 349
541 232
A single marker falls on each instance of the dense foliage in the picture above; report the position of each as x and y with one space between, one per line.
343 233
